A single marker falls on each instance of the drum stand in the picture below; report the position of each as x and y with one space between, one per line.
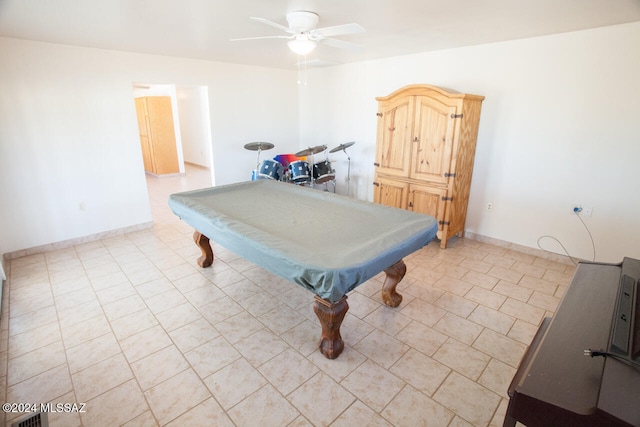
258 146
332 181
348 172
344 147
258 163
313 178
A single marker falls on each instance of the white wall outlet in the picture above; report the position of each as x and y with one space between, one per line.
489 207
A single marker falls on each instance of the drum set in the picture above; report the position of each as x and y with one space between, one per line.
295 168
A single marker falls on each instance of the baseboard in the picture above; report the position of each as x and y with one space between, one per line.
197 165
78 241
166 175
520 248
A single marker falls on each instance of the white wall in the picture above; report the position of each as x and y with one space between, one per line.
68 134
65 119
193 109
560 125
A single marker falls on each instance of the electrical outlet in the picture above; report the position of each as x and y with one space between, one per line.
82 206
586 211
489 207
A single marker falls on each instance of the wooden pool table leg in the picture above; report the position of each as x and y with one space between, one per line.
207 253
395 273
331 316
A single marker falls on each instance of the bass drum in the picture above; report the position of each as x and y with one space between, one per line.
299 171
322 172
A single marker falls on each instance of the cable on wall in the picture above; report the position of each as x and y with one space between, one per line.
576 211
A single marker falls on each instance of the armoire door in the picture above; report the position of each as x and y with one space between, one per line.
393 146
390 192
433 140
428 200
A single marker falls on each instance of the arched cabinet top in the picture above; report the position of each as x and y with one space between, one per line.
428 90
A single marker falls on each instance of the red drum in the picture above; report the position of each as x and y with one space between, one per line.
299 171
322 172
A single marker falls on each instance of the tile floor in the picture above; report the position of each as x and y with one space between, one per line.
132 327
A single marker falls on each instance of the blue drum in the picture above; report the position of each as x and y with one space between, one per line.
299 171
270 169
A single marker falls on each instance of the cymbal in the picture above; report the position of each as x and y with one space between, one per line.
255 146
342 146
311 150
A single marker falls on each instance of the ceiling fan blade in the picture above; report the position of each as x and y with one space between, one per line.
272 24
339 30
259 38
341 44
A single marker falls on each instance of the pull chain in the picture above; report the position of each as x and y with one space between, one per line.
302 74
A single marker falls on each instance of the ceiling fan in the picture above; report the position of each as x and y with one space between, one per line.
303 34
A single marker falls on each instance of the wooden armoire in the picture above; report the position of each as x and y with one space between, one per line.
157 135
425 147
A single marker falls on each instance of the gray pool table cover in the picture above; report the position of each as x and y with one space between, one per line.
323 241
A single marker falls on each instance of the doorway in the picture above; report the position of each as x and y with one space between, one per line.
192 126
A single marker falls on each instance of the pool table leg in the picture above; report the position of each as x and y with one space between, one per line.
207 253
395 273
331 316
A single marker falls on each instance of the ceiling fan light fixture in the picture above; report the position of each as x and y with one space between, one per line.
301 46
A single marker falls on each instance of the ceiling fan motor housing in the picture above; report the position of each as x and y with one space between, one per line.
302 21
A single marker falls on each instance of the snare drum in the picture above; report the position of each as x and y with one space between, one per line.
270 169
322 172
299 171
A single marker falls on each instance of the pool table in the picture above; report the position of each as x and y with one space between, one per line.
325 242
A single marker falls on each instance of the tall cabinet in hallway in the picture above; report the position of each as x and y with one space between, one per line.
157 135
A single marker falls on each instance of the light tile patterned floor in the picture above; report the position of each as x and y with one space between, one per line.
131 326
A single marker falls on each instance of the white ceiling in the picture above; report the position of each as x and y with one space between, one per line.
202 28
